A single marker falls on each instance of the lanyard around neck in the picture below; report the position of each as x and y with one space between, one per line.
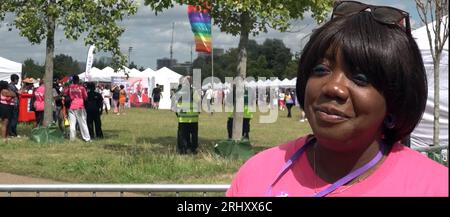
335 185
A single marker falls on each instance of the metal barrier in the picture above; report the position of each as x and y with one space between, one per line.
120 188
431 148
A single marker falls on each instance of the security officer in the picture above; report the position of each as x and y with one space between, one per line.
187 111
248 115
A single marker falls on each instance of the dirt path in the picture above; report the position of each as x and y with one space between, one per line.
7 178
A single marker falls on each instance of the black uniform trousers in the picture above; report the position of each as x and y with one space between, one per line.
12 124
245 128
93 118
289 107
187 137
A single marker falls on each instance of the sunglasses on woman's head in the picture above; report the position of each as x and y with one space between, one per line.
382 14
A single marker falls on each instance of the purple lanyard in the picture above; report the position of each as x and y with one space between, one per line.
336 184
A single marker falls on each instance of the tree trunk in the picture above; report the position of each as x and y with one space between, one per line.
241 71
48 77
436 98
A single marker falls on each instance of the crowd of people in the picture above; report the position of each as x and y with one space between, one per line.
75 105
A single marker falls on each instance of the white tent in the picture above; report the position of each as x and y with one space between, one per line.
260 83
138 74
8 67
251 83
108 70
95 75
104 75
293 82
275 83
148 71
168 79
286 83
164 76
422 136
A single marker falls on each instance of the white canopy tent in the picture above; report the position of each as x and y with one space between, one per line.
149 71
293 82
422 136
164 76
105 74
8 67
108 70
168 79
286 83
96 75
216 86
275 83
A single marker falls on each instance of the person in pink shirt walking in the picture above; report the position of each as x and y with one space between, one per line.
77 113
362 84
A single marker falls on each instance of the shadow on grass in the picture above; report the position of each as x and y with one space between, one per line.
258 149
129 149
166 144
172 141
164 141
111 133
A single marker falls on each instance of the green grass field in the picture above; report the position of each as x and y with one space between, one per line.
140 147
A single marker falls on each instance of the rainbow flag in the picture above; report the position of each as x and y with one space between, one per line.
201 27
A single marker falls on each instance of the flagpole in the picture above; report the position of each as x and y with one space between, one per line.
212 56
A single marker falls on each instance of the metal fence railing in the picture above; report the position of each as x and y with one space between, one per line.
431 148
438 153
120 189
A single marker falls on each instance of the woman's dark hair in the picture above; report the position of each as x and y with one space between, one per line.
14 77
3 85
75 79
121 86
90 86
386 54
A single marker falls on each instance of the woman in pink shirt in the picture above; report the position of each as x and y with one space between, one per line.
39 102
362 84
77 113
7 98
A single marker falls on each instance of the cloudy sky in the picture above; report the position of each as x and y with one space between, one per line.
150 37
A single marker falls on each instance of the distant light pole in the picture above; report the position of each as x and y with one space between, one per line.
129 55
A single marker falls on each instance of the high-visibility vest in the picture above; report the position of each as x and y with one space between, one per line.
189 116
247 112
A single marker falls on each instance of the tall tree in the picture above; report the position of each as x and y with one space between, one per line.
65 65
37 20
132 65
436 12
247 17
31 69
277 56
102 62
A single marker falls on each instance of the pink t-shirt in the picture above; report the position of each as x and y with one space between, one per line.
404 172
77 94
39 103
